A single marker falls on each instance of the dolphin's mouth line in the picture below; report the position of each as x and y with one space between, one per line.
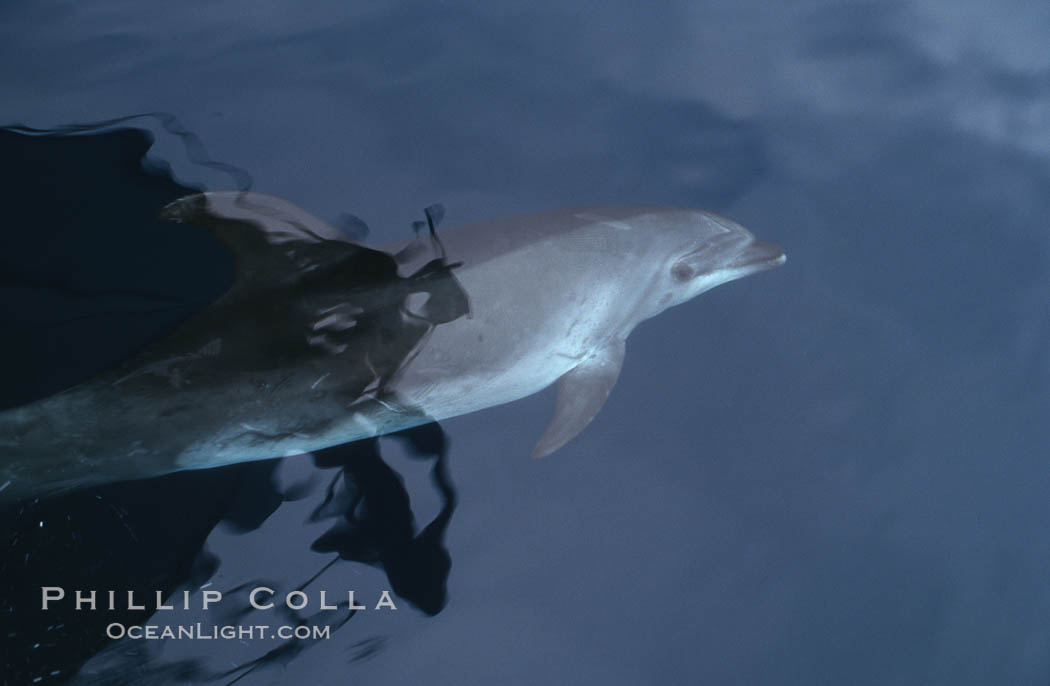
758 256
753 257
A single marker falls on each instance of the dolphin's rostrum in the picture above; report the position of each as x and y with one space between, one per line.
322 341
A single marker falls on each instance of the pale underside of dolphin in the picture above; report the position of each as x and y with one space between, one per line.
321 341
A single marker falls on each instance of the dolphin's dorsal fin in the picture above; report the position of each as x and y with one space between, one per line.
581 393
269 237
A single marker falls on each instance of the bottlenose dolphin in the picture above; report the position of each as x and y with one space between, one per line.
321 341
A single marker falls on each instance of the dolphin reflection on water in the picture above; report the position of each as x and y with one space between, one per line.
321 341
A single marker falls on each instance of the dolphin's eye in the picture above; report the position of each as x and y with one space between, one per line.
682 272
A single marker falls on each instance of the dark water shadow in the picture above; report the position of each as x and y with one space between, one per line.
88 277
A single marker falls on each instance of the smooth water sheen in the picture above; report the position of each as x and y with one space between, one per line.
832 473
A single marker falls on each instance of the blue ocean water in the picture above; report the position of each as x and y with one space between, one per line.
835 472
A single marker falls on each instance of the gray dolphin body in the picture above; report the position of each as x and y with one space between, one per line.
321 341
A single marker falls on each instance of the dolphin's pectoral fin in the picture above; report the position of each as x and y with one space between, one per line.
581 393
